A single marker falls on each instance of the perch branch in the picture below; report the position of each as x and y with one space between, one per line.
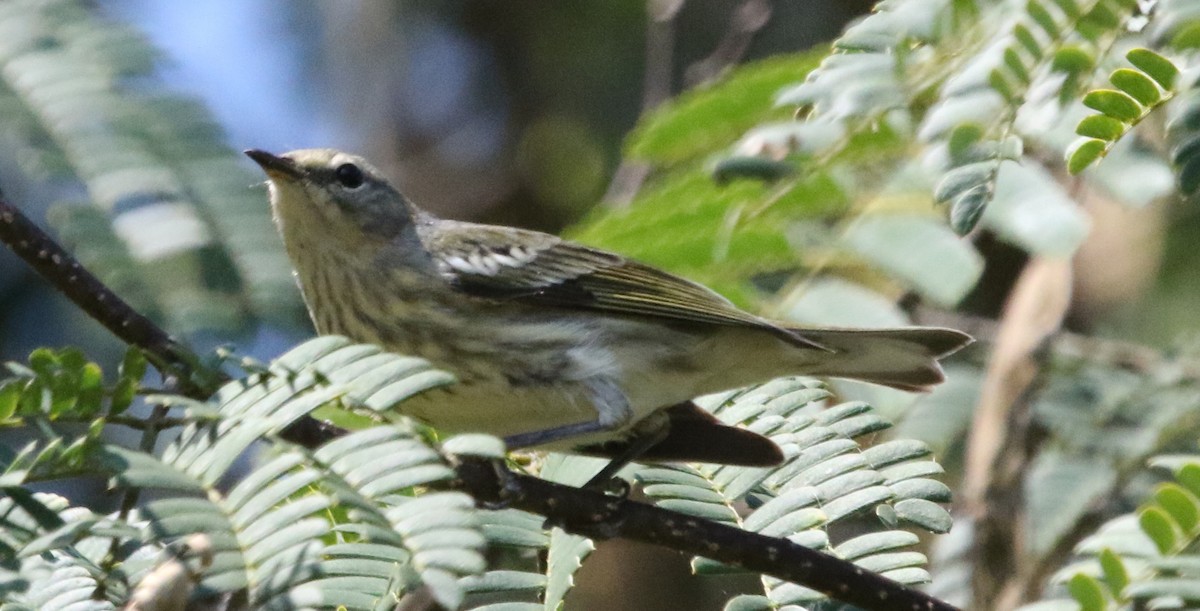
599 516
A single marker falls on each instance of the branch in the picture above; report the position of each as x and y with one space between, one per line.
599 516
656 88
748 18
1003 439
54 264
579 511
85 290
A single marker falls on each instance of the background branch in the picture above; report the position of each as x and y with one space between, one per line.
747 19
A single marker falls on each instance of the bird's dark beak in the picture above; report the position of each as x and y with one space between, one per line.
274 165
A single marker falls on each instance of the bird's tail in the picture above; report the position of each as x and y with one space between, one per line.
901 358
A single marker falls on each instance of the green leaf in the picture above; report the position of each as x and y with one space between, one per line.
43 361
1084 152
962 139
754 168
1100 127
133 365
1028 41
91 388
926 514
876 543
1180 504
505 581
10 395
475 445
1116 576
706 119
1156 66
964 178
1069 8
1042 17
968 208
749 602
1115 104
1186 38
72 358
1072 60
1102 17
1189 477
1015 66
122 395
1158 525
1087 592
1137 85
565 556
1000 84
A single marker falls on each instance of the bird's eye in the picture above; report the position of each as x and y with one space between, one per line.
349 175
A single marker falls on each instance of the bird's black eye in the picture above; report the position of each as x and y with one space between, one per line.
349 175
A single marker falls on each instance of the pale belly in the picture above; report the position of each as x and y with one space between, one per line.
529 390
521 371
652 375
499 408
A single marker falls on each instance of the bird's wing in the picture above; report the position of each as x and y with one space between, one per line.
485 261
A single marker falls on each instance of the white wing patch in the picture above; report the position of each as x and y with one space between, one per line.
489 263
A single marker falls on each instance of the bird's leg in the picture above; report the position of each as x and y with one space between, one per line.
558 433
647 434
612 413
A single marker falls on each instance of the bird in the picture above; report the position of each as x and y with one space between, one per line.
555 345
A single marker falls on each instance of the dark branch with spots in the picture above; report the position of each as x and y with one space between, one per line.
54 264
596 515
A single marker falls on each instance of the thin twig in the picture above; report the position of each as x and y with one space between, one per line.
130 498
748 18
137 423
656 88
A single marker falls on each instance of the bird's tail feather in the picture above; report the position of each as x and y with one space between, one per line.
901 358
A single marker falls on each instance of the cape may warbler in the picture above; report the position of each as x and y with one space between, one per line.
554 344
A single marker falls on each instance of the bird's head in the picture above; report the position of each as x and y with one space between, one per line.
331 194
